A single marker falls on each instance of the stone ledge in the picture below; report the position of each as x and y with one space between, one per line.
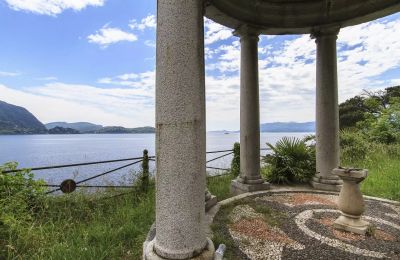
239 187
325 186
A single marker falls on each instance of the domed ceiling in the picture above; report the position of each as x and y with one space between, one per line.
297 16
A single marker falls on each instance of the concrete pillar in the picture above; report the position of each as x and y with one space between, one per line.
180 134
327 111
249 178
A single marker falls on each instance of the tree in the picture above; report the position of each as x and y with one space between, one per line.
351 112
369 105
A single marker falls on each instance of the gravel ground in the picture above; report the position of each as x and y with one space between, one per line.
304 229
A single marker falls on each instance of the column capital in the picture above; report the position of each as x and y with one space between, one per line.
325 32
246 32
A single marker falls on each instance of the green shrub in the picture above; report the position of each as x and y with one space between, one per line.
235 165
383 124
292 161
353 144
384 130
20 197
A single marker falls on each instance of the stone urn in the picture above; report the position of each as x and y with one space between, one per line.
351 201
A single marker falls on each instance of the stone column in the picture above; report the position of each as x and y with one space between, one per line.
327 111
180 134
249 178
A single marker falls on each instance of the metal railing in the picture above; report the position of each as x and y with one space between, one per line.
70 185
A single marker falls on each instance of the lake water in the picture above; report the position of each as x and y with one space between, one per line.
45 150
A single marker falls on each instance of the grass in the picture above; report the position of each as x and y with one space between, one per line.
87 226
383 164
220 186
80 226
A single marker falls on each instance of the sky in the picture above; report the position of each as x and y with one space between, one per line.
94 61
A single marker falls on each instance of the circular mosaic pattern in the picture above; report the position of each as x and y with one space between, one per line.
302 218
300 226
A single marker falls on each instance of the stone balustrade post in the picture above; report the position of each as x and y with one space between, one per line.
145 171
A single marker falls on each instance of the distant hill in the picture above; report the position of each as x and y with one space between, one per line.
123 130
62 131
89 128
18 120
288 127
82 127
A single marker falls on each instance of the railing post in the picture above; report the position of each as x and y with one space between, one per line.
235 165
145 170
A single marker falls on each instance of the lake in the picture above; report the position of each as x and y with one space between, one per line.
46 150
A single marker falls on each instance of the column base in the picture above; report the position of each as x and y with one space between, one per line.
150 254
210 202
327 183
354 225
238 187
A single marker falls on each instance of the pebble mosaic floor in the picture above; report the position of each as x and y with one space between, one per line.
299 226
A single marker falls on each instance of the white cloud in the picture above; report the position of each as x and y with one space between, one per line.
109 35
374 49
69 102
51 7
228 57
144 82
49 78
147 22
215 32
287 72
9 74
150 43
395 82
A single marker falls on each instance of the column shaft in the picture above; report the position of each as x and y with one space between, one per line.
181 132
250 178
249 110
327 112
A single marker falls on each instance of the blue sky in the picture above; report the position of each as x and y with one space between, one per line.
94 60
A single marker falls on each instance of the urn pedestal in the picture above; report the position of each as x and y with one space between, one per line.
351 201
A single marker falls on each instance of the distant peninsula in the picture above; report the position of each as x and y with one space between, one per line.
16 120
89 128
82 127
279 127
289 127
62 131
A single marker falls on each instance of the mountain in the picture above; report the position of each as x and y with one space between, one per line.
123 130
62 131
18 120
288 127
82 127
